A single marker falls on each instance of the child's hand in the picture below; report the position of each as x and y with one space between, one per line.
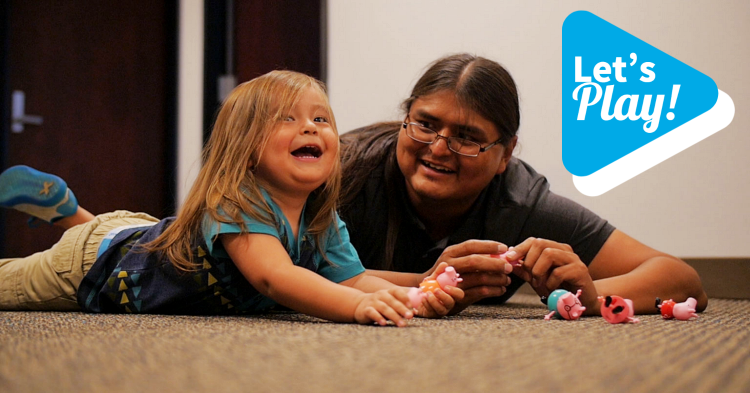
483 275
441 302
383 305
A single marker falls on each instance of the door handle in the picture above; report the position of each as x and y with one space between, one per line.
19 118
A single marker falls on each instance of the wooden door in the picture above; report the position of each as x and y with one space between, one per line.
263 36
281 34
102 77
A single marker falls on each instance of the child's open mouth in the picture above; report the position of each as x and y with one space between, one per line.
309 151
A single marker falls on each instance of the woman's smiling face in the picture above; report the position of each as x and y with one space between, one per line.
432 172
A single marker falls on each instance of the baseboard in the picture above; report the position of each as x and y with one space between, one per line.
725 278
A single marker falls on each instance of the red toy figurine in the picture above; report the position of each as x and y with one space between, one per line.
665 307
449 277
617 310
682 311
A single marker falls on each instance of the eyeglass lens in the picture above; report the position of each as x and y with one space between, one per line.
457 145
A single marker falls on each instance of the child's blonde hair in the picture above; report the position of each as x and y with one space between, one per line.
227 186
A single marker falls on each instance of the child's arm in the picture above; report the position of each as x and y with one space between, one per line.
266 265
436 304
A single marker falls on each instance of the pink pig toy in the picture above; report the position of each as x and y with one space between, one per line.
682 311
564 304
449 277
617 310
666 308
685 310
502 256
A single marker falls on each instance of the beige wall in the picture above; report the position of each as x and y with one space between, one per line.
696 204
190 97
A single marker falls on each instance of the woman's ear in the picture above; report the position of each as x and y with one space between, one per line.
507 154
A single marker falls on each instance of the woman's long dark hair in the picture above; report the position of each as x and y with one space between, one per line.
362 151
479 84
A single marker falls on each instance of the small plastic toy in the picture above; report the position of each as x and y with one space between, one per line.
617 310
564 305
665 307
682 311
502 256
449 277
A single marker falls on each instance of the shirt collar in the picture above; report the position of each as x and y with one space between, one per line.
470 228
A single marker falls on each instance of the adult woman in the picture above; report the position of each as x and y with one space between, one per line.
417 191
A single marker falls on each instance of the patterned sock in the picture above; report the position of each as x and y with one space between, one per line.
36 193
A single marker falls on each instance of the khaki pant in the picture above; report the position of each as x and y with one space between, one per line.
49 280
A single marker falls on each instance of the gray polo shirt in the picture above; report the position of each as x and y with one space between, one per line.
515 206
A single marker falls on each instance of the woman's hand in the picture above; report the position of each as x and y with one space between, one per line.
548 265
386 304
483 276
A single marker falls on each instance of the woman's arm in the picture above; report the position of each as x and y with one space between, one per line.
368 283
398 278
623 267
266 265
628 268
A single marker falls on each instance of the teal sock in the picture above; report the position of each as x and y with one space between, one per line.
36 193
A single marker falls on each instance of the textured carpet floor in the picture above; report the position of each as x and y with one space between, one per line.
485 348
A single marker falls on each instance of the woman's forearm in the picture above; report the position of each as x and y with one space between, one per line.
665 277
398 278
368 283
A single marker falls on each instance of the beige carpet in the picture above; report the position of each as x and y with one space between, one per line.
484 349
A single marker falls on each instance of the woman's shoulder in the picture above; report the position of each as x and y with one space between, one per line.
364 153
369 142
520 184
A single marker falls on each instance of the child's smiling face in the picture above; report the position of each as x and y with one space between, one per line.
302 150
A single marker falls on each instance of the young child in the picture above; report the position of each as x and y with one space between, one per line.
258 228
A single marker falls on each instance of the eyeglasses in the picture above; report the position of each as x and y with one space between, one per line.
464 147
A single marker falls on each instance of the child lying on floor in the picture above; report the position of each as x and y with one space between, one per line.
259 228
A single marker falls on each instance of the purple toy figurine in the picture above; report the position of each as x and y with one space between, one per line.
449 277
565 305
